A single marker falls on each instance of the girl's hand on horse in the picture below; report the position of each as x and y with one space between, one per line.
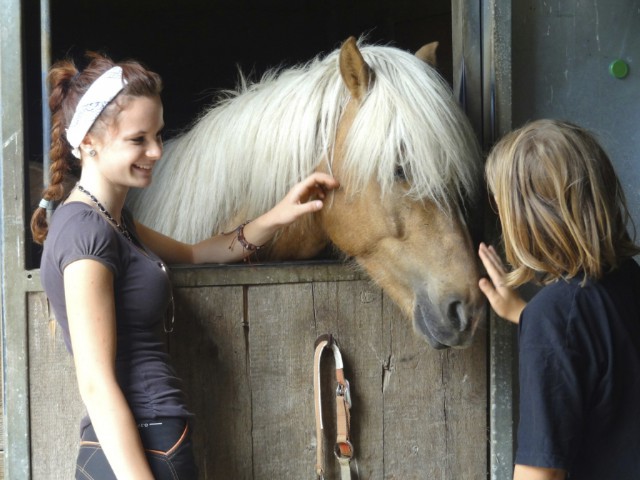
305 197
504 300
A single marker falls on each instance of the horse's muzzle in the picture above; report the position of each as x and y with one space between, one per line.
452 324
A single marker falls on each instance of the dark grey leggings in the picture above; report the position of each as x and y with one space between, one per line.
167 443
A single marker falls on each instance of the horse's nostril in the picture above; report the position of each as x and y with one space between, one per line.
457 316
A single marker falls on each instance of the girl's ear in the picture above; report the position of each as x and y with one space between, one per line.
88 145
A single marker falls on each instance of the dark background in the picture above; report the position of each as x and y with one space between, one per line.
197 46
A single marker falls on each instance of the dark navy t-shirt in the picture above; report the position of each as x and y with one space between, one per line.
580 377
142 292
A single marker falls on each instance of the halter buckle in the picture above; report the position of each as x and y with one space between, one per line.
344 390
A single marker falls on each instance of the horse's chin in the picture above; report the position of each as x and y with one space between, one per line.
427 321
423 330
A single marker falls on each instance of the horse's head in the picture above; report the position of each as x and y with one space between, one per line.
388 129
414 245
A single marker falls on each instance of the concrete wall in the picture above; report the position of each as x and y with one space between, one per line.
562 50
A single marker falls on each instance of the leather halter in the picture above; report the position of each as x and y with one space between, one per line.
343 448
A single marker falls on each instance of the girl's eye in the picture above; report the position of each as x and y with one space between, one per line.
137 140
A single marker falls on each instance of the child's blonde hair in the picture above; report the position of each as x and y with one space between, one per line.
560 203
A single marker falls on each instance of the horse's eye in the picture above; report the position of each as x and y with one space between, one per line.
402 172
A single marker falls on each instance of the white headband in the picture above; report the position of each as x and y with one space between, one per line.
92 103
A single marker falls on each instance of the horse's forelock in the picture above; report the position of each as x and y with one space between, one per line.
420 126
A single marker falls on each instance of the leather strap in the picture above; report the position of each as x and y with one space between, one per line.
343 448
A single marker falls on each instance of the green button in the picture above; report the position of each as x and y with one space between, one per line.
619 69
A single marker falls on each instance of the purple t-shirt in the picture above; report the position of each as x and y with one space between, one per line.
142 292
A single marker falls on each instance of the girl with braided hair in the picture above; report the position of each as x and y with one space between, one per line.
105 274
564 225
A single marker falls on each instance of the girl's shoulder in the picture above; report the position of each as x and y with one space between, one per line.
72 209
78 217
78 230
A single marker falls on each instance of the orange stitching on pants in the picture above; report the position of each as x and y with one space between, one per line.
177 444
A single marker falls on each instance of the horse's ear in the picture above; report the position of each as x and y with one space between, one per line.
354 70
427 53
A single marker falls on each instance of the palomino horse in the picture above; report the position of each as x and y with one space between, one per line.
385 124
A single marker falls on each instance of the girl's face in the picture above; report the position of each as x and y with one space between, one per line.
130 146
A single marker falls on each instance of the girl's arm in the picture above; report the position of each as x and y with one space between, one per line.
504 300
525 472
258 232
88 287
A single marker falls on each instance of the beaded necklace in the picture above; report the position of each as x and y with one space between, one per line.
121 227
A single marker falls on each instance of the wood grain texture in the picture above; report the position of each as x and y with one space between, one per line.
55 405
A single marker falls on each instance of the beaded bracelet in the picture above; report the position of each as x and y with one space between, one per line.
246 245
243 241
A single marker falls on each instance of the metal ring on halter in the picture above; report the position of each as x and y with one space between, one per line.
341 452
344 390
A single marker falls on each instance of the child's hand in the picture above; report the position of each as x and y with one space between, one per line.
504 300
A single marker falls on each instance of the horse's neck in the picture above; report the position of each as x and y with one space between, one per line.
253 148
301 240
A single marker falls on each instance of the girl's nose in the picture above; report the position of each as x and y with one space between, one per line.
155 150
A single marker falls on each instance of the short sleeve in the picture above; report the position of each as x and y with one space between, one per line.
551 377
86 235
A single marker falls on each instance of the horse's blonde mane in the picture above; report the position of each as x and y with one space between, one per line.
243 155
420 128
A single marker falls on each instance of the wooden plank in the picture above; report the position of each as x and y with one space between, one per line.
55 404
249 274
283 326
434 407
351 312
208 349
464 379
414 423
281 337
326 318
265 273
360 333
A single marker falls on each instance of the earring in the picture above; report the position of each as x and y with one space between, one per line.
92 153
